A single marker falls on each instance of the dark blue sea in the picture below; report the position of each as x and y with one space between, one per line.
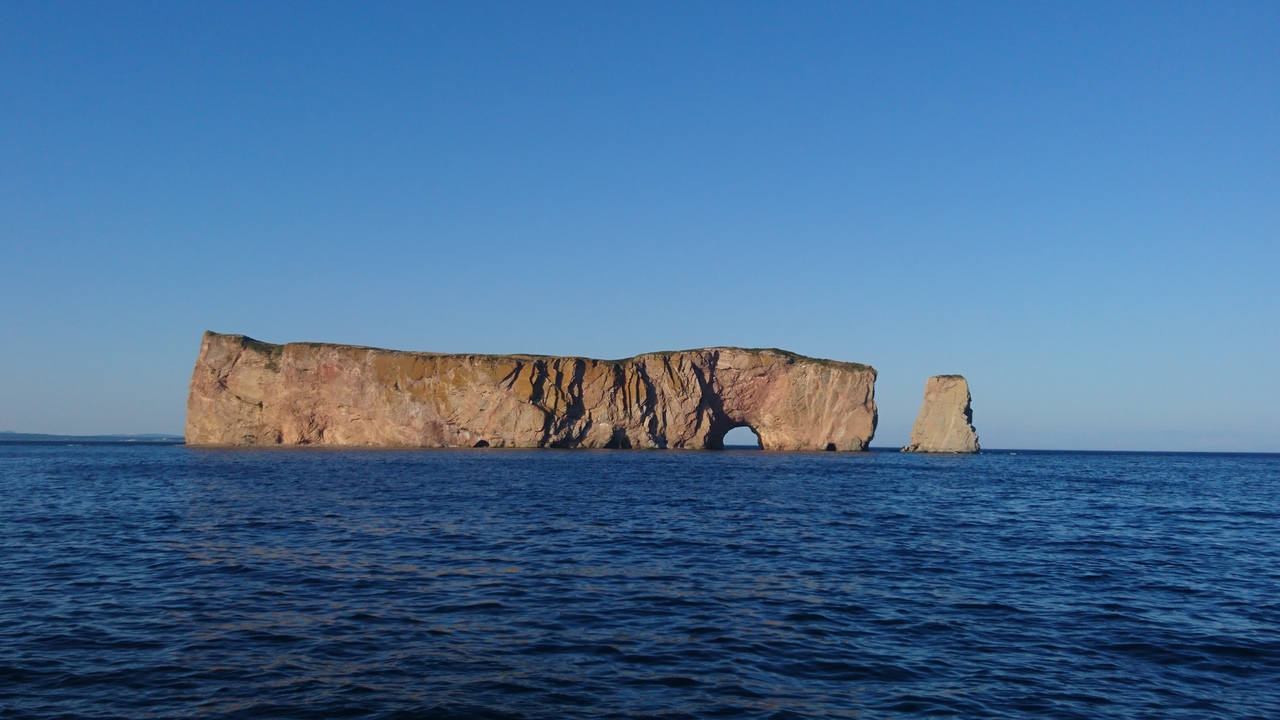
169 582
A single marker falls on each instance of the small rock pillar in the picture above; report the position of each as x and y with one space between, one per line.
945 422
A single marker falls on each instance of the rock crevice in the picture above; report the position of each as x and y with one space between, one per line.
246 392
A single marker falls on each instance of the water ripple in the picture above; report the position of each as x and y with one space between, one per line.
142 582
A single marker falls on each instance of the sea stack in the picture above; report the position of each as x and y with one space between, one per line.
250 393
945 422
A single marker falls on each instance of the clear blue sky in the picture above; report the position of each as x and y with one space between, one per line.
1076 205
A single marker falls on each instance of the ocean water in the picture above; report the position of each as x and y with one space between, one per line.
170 582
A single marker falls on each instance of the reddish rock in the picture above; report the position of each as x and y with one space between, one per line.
249 393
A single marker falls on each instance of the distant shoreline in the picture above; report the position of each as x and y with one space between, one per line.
147 439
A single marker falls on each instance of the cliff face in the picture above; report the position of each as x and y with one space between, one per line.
945 423
244 392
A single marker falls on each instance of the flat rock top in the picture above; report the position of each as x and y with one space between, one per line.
276 348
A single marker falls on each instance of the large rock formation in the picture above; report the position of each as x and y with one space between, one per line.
945 422
245 392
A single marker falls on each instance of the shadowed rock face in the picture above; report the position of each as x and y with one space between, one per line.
945 423
244 392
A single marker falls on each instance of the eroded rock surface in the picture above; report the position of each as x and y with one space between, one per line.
245 392
945 422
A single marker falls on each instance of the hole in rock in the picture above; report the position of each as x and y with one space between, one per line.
831 447
482 443
741 438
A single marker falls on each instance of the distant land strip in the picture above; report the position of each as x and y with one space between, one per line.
146 439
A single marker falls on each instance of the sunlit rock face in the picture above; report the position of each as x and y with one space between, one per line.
945 422
249 393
